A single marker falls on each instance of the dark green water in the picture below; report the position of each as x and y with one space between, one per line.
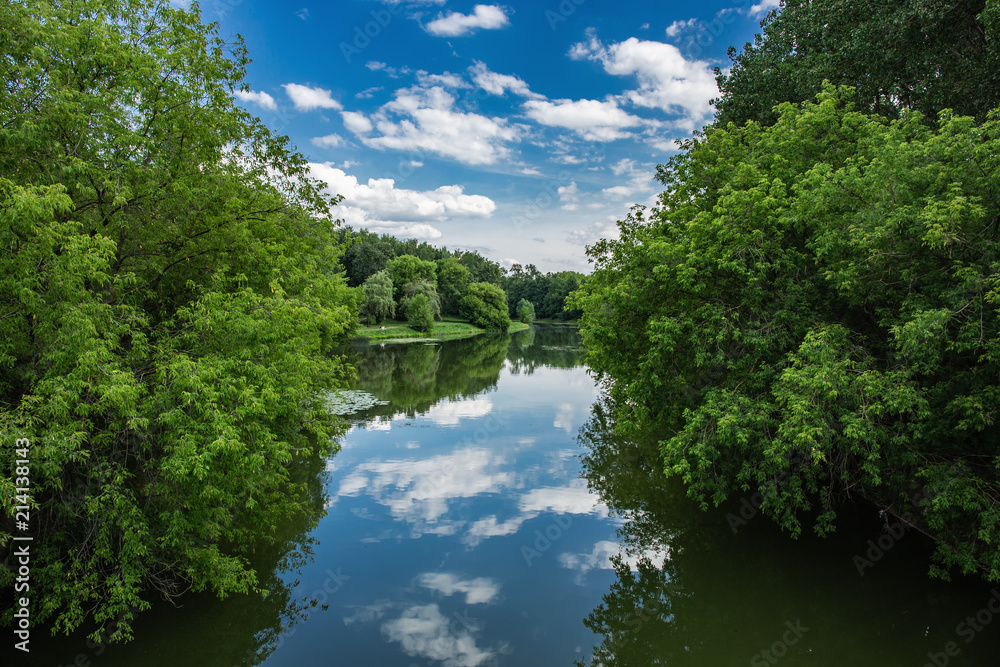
485 516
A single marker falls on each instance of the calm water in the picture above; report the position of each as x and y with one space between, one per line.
486 517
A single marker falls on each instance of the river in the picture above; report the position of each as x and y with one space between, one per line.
485 515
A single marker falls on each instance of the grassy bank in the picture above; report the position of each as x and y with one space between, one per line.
448 328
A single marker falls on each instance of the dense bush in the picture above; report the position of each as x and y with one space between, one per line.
485 305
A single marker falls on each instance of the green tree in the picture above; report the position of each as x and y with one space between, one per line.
485 305
814 310
378 303
452 281
525 311
407 269
481 270
170 301
419 314
426 289
923 55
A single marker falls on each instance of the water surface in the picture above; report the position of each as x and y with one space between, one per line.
487 516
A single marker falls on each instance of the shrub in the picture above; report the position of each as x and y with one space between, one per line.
485 305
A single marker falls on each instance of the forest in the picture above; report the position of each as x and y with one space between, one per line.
810 311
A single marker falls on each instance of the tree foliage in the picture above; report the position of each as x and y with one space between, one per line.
525 311
419 314
378 303
407 269
452 281
548 292
812 312
425 289
169 299
485 305
922 55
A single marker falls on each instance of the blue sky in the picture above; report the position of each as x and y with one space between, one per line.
522 129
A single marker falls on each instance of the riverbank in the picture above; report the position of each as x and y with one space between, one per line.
448 328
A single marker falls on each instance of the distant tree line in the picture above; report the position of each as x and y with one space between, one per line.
546 292
368 253
419 282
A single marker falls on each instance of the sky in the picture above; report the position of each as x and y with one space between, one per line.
523 130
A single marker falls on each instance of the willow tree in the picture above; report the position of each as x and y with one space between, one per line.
378 303
168 301
812 313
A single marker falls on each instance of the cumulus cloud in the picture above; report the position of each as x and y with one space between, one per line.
456 24
477 591
379 205
418 491
667 81
425 119
423 631
593 120
306 99
498 84
259 98
356 122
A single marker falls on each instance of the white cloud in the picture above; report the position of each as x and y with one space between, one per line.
481 590
306 99
593 120
425 119
418 491
569 195
598 230
259 98
329 141
600 558
497 84
380 206
575 498
367 93
677 27
640 180
764 7
447 80
356 122
303 13
423 631
490 527
449 413
456 24
667 81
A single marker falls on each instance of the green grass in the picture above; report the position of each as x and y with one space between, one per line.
448 328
